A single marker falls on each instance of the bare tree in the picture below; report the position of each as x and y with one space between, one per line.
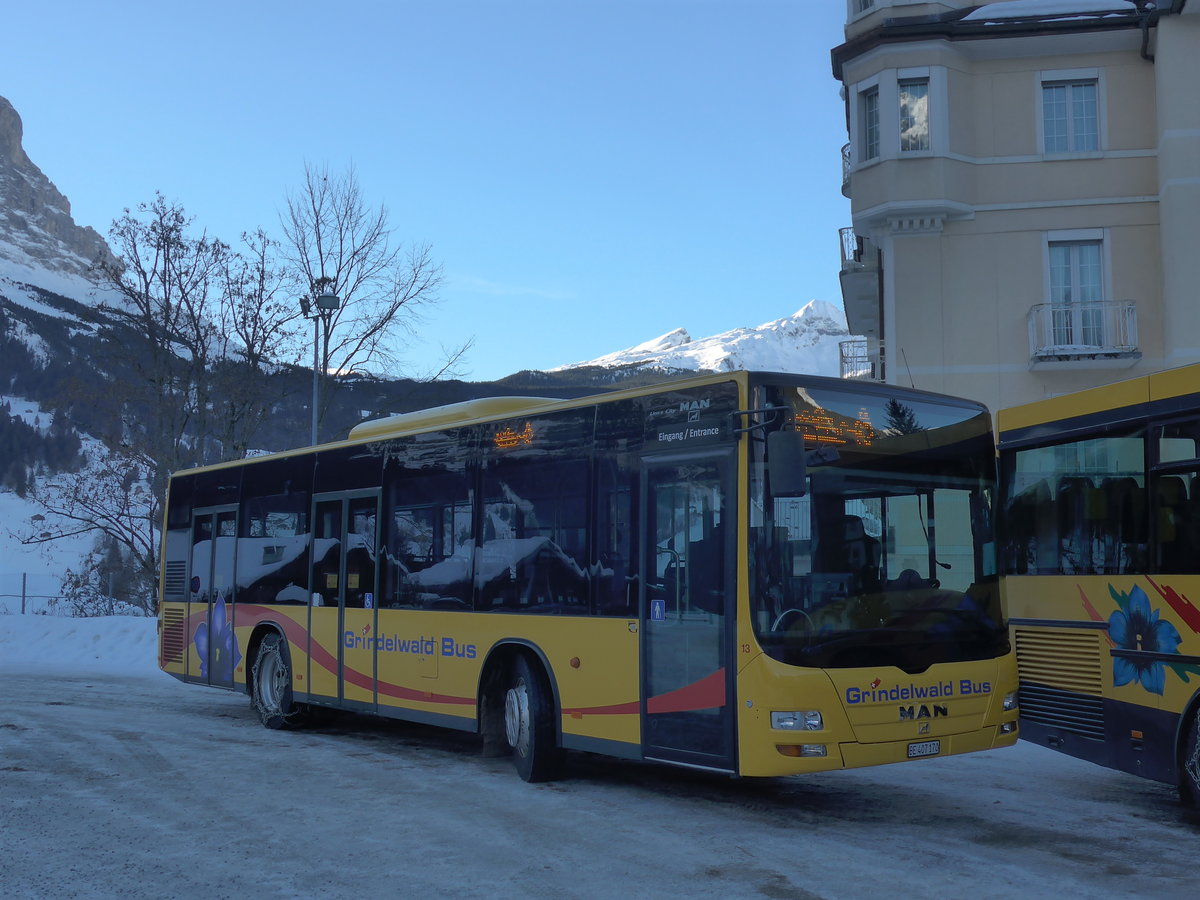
261 332
336 242
196 330
111 499
164 333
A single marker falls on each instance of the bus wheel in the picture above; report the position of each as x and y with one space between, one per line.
273 685
529 723
1189 789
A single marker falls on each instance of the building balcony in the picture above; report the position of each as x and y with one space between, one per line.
859 275
862 358
1101 334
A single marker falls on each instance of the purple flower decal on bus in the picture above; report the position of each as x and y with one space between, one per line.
1135 626
217 647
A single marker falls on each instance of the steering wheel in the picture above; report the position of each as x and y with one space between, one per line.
787 619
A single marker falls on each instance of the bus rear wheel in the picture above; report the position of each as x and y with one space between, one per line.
1189 788
529 723
272 695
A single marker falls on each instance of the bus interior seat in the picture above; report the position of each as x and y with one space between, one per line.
1170 495
1125 502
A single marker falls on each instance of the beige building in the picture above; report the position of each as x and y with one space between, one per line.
1024 179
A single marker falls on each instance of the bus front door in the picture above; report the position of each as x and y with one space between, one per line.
211 592
343 617
687 607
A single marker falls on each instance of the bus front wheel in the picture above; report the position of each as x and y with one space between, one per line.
273 685
1190 787
529 723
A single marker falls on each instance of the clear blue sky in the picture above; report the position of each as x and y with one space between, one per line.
590 173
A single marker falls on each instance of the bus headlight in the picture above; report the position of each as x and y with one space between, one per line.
808 720
1010 701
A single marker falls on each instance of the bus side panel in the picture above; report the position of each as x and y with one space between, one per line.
430 662
1138 740
1108 663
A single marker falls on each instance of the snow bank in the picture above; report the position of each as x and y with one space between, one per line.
103 644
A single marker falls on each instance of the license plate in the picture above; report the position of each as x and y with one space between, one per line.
924 748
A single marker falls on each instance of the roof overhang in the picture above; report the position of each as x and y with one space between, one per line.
953 27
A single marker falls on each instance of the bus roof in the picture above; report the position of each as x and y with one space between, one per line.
450 414
1129 399
486 409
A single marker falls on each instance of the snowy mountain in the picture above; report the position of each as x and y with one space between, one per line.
805 343
40 244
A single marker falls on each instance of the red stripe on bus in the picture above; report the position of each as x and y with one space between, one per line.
707 693
631 708
1183 607
298 635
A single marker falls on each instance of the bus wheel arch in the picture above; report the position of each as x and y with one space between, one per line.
1189 754
518 710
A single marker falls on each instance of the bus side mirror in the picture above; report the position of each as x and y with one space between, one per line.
786 464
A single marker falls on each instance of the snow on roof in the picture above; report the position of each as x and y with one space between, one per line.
1034 9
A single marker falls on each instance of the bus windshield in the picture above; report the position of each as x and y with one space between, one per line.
888 556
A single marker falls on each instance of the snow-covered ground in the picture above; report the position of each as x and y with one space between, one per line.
117 780
124 644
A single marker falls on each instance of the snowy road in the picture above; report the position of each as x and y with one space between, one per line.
137 786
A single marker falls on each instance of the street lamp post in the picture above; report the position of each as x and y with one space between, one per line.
321 310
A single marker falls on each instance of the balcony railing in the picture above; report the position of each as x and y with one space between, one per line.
862 359
858 253
847 165
1073 331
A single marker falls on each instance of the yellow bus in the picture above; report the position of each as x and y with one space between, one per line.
1100 503
747 573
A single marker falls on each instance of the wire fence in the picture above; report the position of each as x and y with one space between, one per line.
31 593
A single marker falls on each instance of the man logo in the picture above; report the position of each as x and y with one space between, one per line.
937 711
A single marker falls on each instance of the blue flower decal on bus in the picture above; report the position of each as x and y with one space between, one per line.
1135 626
220 642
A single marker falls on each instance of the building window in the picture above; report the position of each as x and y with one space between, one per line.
863 5
914 114
1077 292
869 105
1070 116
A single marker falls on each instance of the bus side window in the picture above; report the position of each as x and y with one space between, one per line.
1126 538
1173 514
429 542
